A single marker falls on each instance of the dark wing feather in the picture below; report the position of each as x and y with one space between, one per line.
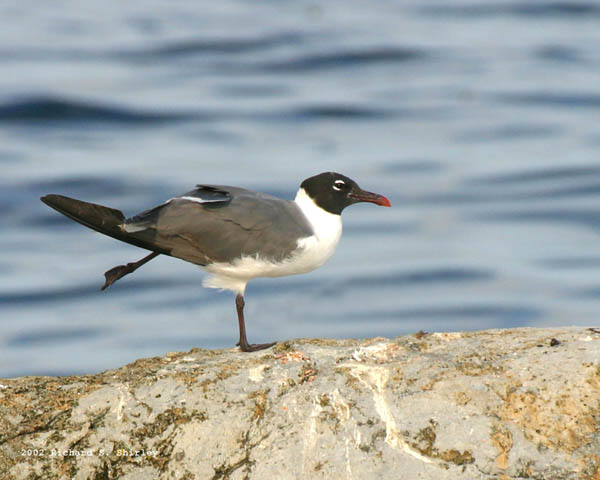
223 224
205 193
209 193
108 221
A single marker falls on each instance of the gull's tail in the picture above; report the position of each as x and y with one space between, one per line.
108 221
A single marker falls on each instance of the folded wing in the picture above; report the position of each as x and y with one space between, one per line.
220 223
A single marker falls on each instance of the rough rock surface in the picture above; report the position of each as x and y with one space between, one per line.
501 404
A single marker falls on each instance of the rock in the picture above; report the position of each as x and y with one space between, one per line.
495 404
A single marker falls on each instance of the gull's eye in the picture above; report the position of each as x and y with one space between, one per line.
339 185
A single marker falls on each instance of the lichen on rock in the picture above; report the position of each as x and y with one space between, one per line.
521 403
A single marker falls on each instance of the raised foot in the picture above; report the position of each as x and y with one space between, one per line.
120 271
115 273
254 347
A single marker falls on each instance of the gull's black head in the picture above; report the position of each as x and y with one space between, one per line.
333 192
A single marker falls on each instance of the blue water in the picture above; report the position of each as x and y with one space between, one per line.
478 119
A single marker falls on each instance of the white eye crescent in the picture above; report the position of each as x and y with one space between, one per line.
337 185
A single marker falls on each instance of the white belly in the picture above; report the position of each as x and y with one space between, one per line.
312 252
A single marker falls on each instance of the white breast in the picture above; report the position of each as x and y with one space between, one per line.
313 251
327 227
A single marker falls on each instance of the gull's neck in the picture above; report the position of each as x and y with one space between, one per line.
325 224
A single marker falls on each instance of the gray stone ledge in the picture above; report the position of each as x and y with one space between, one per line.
497 404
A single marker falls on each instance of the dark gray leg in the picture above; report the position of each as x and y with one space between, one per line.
119 271
243 343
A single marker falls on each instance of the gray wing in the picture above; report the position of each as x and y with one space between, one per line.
219 224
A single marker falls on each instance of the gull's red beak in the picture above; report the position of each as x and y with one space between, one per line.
364 196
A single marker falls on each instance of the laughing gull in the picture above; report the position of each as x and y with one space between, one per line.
233 233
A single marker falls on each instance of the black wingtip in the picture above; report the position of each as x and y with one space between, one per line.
49 199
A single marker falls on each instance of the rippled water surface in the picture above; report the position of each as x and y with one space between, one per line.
479 120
